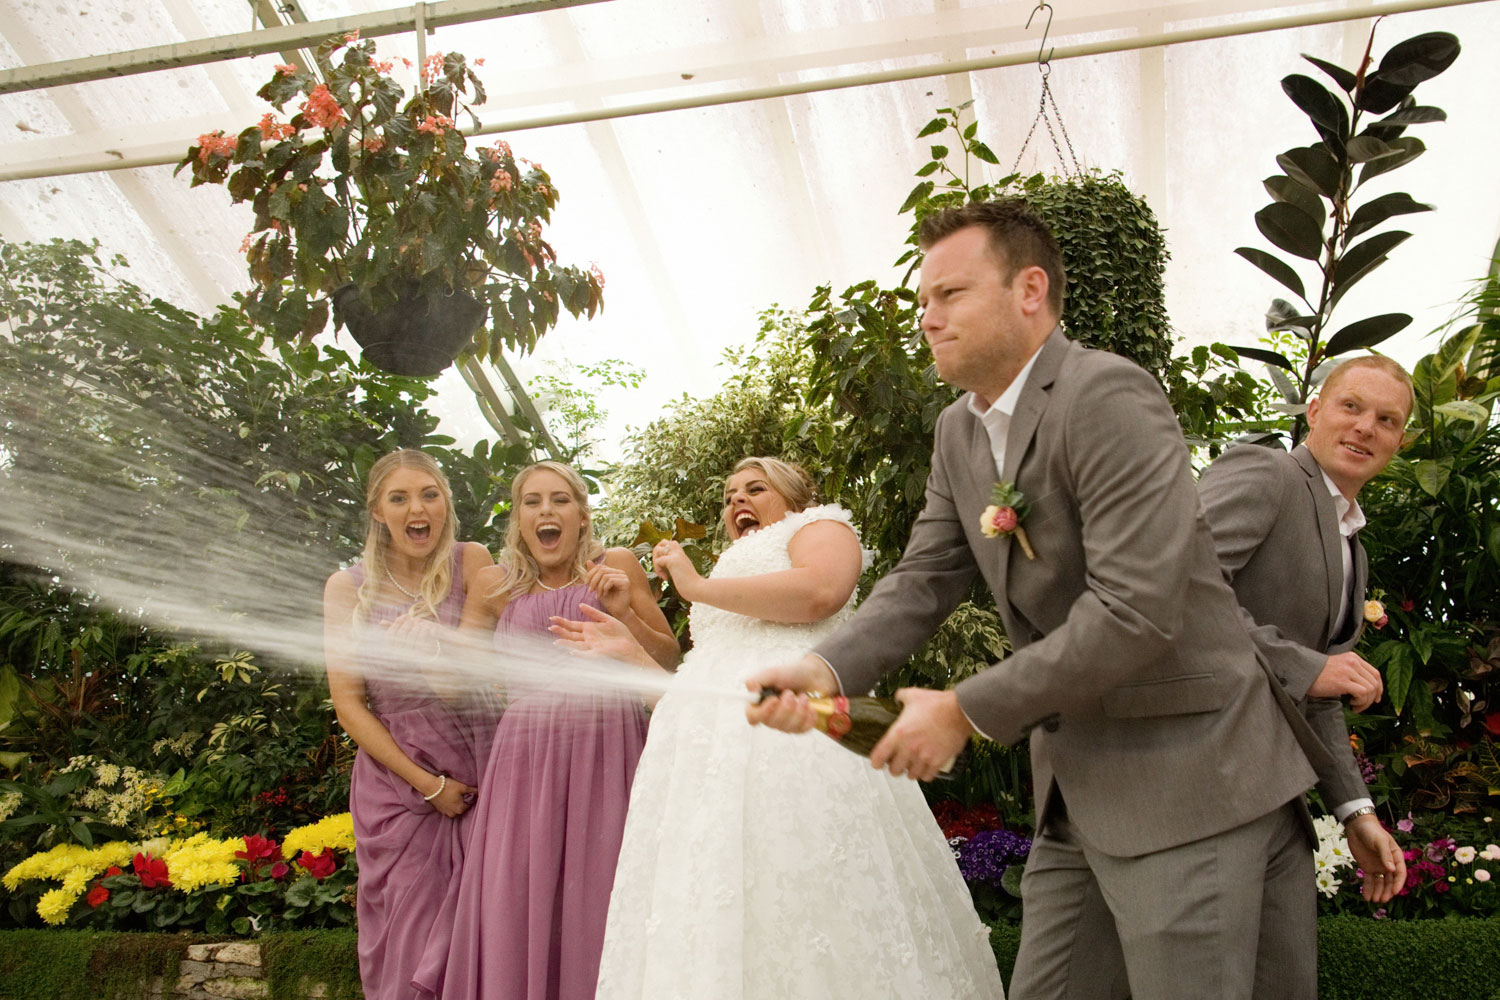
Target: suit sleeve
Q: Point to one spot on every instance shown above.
(909, 603)
(1141, 540)
(1242, 493)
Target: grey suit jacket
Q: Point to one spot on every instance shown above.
(1276, 531)
(1132, 671)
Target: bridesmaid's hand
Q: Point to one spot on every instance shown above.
(418, 639)
(672, 563)
(453, 801)
(612, 586)
(601, 635)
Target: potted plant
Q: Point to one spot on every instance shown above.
(377, 205)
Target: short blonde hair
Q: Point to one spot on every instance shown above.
(787, 478)
(1380, 363)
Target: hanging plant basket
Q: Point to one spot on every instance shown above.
(418, 335)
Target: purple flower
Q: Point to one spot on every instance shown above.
(1439, 849)
(1405, 825)
(985, 856)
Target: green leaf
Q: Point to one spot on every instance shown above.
(928, 168)
(939, 152)
(1419, 58)
(1290, 229)
(1289, 390)
(1367, 149)
(1011, 880)
(1339, 75)
(1410, 148)
(1373, 213)
(1293, 192)
(1326, 111)
(1366, 333)
(1313, 167)
(1261, 354)
(1362, 258)
(1398, 673)
(933, 127)
(1276, 268)
(918, 195)
(982, 152)
(1432, 474)
(1415, 115)
(1464, 409)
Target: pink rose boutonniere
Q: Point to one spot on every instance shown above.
(1375, 614)
(1005, 514)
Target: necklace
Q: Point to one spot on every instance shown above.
(397, 583)
(571, 580)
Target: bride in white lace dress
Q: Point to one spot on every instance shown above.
(762, 865)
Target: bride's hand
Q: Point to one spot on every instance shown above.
(601, 635)
(672, 563)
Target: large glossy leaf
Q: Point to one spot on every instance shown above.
(1275, 267)
(1360, 259)
(1326, 111)
(1464, 409)
(1419, 58)
(1373, 213)
(1432, 476)
(1367, 148)
(1288, 189)
(1312, 166)
(1452, 352)
(1339, 74)
(1289, 390)
(1268, 356)
(1284, 316)
(1414, 115)
(1290, 229)
(1366, 333)
(1379, 95)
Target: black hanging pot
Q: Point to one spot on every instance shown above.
(418, 335)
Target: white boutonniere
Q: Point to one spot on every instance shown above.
(1005, 514)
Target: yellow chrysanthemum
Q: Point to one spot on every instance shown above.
(54, 905)
(200, 860)
(335, 831)
(63, 863)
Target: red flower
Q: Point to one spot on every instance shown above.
(1492, 723)
(1006, 520)
(152, 872)
(112, 870)
(1408, 604)
(279, 870)
(258, 849)
(319, 866)
(97, 895)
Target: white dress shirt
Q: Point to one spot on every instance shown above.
(1351, 519)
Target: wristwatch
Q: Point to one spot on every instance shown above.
(1361, 811)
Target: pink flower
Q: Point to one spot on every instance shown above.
(1005, 520)
(286, 69)
(501, 181)
(1382, 621)
(322, 109)
(435, 124)
(1481, 875)
(215, 144)
(279, 870)
(598, 275)
(351, 37)
(1405, 825)
(1440, 887)
(374, 145)
(479, 61)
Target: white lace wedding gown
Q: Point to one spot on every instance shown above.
(758, 865)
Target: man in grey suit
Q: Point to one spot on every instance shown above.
(1286, 528)
(1165, 770)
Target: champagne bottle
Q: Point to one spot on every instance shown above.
(855, 723)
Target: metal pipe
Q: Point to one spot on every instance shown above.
(253, 43)
(116, 161)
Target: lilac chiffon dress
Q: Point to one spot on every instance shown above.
(408, 852)
(529, 911)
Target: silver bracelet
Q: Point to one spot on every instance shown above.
(437, 651)
(442, 784)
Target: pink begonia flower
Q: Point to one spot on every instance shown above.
(1405, 825)
(1481, 875)
(1464, 855)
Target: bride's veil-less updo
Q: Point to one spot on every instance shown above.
(787, 478)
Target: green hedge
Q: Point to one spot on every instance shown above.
(1359, 959)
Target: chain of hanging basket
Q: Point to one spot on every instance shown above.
(1044, 65)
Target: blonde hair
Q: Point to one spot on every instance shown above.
(787, 478)
(1380, 363)
(521, 570)
(437, 575)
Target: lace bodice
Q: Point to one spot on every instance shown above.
(765, 551)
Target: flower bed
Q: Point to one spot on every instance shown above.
(241, 885)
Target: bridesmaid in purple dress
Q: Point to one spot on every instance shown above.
(528, 921)
(420, 755)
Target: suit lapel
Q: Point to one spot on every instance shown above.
(1023, 424)
(1328, 532)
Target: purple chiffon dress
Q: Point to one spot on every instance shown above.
(528, 921)
(408, 852)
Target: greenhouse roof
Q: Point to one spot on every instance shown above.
(716, 157)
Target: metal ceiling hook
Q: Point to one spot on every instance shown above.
(1043, 54)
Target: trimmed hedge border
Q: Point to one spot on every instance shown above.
(1359, 959)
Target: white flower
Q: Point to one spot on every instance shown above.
(1491, 852)
(1464, 855)
(1327, 884)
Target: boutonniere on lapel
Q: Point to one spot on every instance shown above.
(1375, 614)
(1005, 514)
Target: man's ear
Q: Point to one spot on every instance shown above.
(1031, 286)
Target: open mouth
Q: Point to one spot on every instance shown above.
(1357, 450)
(419, 531)
(548, 535)
(745, 521)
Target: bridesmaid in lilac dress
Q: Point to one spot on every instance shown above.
(420, 755)
(528, 921)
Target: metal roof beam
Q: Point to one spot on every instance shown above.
(254, 43)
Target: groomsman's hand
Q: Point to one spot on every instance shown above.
(1348, 673)
(1378, 856)
(926, 736)
(789, 711)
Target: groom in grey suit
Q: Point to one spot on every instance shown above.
(1286, 528)
(1165, 770)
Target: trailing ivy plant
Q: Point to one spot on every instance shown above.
(1314, 216)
